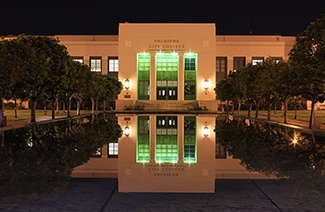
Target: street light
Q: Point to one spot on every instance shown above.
(295, 98)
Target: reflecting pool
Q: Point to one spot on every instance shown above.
(40, 158)
(276, 151)
(158, 153)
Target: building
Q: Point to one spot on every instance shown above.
(180, 63)
(166, 67)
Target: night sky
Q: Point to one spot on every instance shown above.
(232, 17)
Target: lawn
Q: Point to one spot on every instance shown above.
(302, 115)
(25, 114)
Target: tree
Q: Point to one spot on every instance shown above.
(307, 57)
(13, 57)
(253, 84)
(113, 88)
(96, 88)
(275, 83)
(224, 89)
(36, 71)
(75, 82)
(57, 57)
(285, 86)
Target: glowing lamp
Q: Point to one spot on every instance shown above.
(127, 131)
(206, 131)
(127, 84)
(206, 85)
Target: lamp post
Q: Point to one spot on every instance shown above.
(295, 102)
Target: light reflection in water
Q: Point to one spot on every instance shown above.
(41, 157)
(48, 152)
(275, 150)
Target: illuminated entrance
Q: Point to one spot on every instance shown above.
(166, 153)
(167, 76)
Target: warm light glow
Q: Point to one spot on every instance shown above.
(127, 84)
(188, 161)
(294, 140)
(127, 131)
(206, 84)
(206, 131)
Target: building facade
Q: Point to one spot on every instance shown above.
(172, 66)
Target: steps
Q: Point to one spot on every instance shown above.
(167, 105)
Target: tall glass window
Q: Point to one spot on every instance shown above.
(96, 64)
(78, 59)
(220, 151)
(190, 69)
(112, 150)
(112, 64)
(239, 62)
(257, 60)
(167, 75)
(190, 139)
(221, 68)
(143, 76)
(166, 139)
(143, 143)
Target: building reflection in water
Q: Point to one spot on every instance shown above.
(167, 153)
(158, 153)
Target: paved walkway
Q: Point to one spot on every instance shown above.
(295, 123)
(97, 195)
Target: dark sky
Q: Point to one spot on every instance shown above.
(258, 17)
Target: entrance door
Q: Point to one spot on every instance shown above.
(166, 90)
(167, 76)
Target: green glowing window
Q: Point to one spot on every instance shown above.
(190, 69)
(143, 143)
(166, 139)
(167, 76)
(190, 139)
(143, 75)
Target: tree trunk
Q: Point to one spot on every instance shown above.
(285, 111)
(269, 112)
(1, 109)
(249, 110)
(78, 104)
(15, 108)
(239, 106)
(92, 105)
(63, 107)
(45, 107)
(232, 107)
(53, 108)
(274, 108)
(97, 102)
(257, 108)
(312, 114)
(57, 105)
(69, 106)
(33, 110)
(104, 105)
